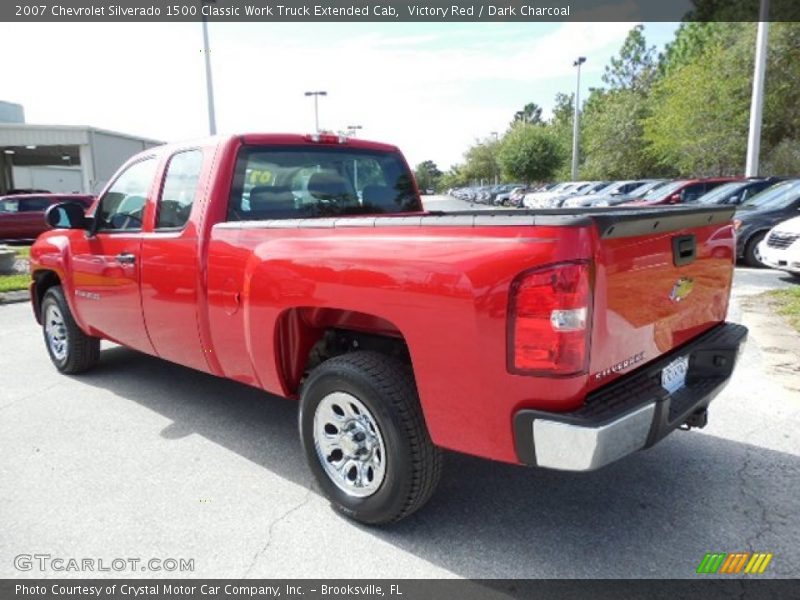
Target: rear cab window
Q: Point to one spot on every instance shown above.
(179, 190)
(296, 182)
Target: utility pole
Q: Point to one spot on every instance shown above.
(580, 60)
(757, 100)
(212, 119)
(316, 95)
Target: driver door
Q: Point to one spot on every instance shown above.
(106, 266)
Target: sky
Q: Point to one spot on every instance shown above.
(430, 88)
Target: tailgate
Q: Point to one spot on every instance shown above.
(663, 277)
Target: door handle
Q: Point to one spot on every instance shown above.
(126, 258)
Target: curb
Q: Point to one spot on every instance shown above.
(12, 297)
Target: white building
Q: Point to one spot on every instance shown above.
(60, 158)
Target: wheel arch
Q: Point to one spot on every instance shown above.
(308, 336)
(43, 280)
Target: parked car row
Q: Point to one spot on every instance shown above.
(485, 194)
(763, 203)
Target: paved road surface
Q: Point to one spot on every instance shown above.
(141, 458)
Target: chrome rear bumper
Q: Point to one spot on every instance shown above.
(632, 413)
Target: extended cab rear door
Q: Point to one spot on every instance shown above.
(106, 265)
(170, 263)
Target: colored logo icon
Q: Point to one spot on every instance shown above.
(738, 562)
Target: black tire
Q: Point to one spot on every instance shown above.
(80, 351)
(751, 250)
(413, 464)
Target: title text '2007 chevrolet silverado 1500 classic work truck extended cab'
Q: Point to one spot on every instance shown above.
(307, 266)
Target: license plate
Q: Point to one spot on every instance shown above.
(673, 377)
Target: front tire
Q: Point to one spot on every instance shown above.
(70, 349)
(365, 438)
(752, 257)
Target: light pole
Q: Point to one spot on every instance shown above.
(577, 63)
(212, 119)
(316, 95)
(757, 100)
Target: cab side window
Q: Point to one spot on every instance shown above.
(180, 189)
(33, 204)
(122, 207)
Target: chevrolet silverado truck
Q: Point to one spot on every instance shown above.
(307, 266)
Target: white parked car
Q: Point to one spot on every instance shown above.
(780, 249)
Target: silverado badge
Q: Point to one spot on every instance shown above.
(682, 288)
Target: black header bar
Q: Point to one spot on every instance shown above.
(392, 11)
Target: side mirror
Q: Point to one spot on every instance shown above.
(675, 198)
(67, 215)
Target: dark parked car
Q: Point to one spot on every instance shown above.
(22, 216)
(758, 215)
(737, 192)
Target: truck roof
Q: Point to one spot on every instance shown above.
(298, 139)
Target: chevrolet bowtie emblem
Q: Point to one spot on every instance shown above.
(682, 288)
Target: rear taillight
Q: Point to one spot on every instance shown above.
(549, 320)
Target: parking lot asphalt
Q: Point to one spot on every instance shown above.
(142, 458)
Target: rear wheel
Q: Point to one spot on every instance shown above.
(365, 438)
(752, 256)
(70, 349)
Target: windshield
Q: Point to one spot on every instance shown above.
(612, 188)
(293, 182)
(778, 196)
(662, 192)
(718, 193)
(644, 188)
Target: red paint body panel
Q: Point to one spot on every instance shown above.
(247, 301)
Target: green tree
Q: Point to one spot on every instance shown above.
(531, 113)
(635, 67)
(427, 174)
(780, 136)
(612, 124)
(455, 177)
(480, 161)
(690, 42)
(699, 110)
(530, 153)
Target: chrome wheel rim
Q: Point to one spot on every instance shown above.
(56, 331)
(349, 444)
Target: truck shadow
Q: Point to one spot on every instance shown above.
(693, 492)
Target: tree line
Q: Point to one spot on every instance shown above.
(683, 112)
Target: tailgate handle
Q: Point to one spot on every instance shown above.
(684, 249)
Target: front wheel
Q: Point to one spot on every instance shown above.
(752, 255)
(365, 437)
(70, 349)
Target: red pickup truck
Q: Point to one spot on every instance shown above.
(307, 266)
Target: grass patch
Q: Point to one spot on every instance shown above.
(787, 304)
(10, 283)
(23, 251)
